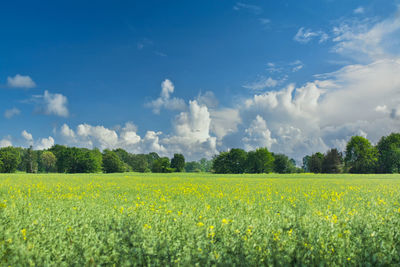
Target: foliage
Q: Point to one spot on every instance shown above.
(10, 159)
(332, 161)
(259, 161)
(48, 160)
(161, 165)
(111, 162)
(361, 156)
(233, 161)
(389, 153)
(282, 164)
(315, 162)
(30, 161)
(178, 162)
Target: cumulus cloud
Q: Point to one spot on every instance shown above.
(126, 137)
(20, 81)
(9, 113)
(51, 104)
(258, 135)
(27, 137)
(165, 100)
(192, 133)
(5, 142)
(224, 121)
(44, 143)
(304, 36)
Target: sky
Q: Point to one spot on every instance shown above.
(199, 77)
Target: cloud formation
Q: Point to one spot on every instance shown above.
(5, 142)
(165, 100)
(51, 104)
(251, 8)
(304, 36)
(20, 81)
(9, 113)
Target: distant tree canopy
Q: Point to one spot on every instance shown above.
(360, 156)
(258, 161)
(10, 158)
(112, 163)
(178, 162)
(389, 154)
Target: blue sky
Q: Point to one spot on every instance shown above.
(198, 77)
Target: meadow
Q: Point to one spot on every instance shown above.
(199, 219)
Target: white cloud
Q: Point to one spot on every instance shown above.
(52, 104)
(5, 142)
(208, 99)
(165, 100)
(9, 113)
(367, 40)
(44, 143)
(261, 83)
(28, 137)
(306, 35)
(224, 121)
(359, 10)
(265, 21)
(192, 133)
(251, 8)
(20, 81)
(258, 135)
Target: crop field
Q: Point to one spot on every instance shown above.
(204, 219)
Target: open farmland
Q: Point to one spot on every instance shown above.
(156, 219)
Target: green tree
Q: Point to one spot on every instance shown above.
(139, 163)
(306, 161)
(389, 153)
(161, 165)
(10, 158)
(332, 162)
(193, 166)
(30, 161)
(48, 160)
(282, 164)
(111, 162)
(178, 162)
(221, 163)
(259, 161)
(205, 164)
(361, 156)
(315, 162)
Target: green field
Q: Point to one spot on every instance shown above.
(205, 219)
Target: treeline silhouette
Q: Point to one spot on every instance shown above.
(360, 156)
(63, 159)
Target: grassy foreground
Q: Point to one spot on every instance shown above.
(184, 219)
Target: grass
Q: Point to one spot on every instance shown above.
(205, 219)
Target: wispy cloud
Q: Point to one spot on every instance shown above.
(359, 10)
(306, 35)
(261, 83)
(9, 113)
(251, 8)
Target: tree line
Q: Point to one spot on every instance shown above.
(63, 159)
(360, 156)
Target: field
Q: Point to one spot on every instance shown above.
(204, 219)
